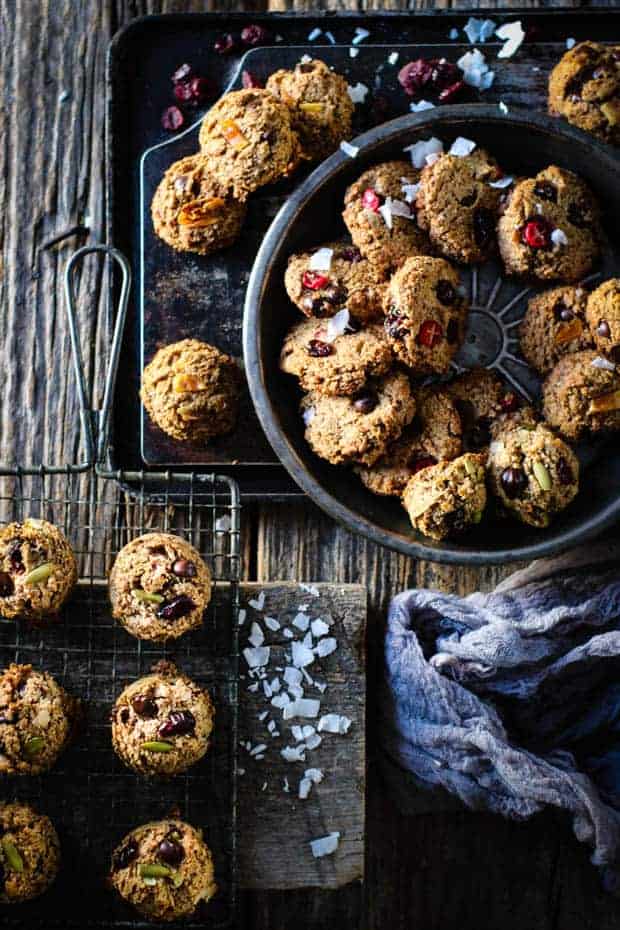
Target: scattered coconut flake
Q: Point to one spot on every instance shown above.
(559, 237)
(242, 615)
(604, 363)
(302, 622)
(257, 750)
(570, 43)
(514, 35)
(337, 325)
(305, 59)
(279, 38)
(308, 415)
(391, 208)
(259, 602)
(315, 775)
(240, 771)
(256, 637)
(503, 107)
(393, 58)
(294, 753)
(325, 845)
(285, 785)
(267, 689)
(264, 788)
(454, 33)
(348, 149)
(330, 37)
(302, 707)
(297, 732)
(272, 624)
(326, 646)
(288, 633)
(319, 627)
(313, 741)
(420, 150)
(257, 657)
(305, 786)
(360, 35)
(223, 524)
(263, 715)
(462, 147)
(506, 181)
(354, 52)
(292, 676)
(275, 685)
(358, 92)
(321, 260)
(307, 731)
(302, 656)
(272, 726)
(421, 105)
(305, 673)
(259, 758)
(253, 687)
(309, 589)
(475, 70)
(280, 700)
(321, 686)
(409, 190)
(334, 723)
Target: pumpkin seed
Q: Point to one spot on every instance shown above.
(147, 596)
(39, 574)
(542, 475)
(154, 870)
(477, 516)
(156, 745)
(34, 746)
(13, 858)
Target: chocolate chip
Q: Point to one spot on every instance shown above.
(484, 227)
(176, 608)
(334, 294)
(318, 349)
(578, 216)
(124, 715)
(455, 521)
(446, 293)
(179, 723)
(546, 191)
(125, 855)
(170, 852)
(365, 403)
(514, 482)
(469, 199)
(478, 436)
(6, 585)
(183, 568)
(603, 329)
(562, 313)
(144, 706)
(15, 556)
(565, 472)
(350, 254)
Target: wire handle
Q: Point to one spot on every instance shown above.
(103, 415)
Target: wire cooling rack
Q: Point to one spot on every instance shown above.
(91, 797)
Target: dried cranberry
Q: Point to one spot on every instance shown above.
(15, 557)
(565, 472)
(202, 89)
(318, 349)
(255, 35)
(453, 92)
(126, 854)
(415, 75)
(225, 44)
(430, 334)
(562, 313)
(6, 585)
(394, 324)
(335, 294)
(514, 482)
(315, 306)
(510, 402)
(546, 191)
(425, 461)
(144, 706)
(183, 92)
(170, 851)
(350, 254)
(371, 200)
(176, 608)
(577, 215)
(179, 723)
(537, 233)
(172, 119)
(446, 293)
(248, 79)
(183, 568)
(603, 329)
(455, 521)
(452, 331)
(124, 715)
(182, 74)
(365, 403)
(314, 280)
(445, 74)
(484, 227)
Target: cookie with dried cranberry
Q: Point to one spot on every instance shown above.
(554, 325)
(550, 227)
(458, 206)
(164, 870)
(448, 498)
(534, 473)
(328, 360)
(29, 853)
(584, 88)
(344, 279)
(191, 391)
(581, 395)
(320, 105)
(346, 430)
(485, 404)
(603, 316)
(192, 211)
(249, 141)
(381, 217)
(37, 720)
(162, 723)
(425, 314)
(159, 587)
(433, 435)
(38, 570)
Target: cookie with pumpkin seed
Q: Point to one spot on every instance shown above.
(37, 570)
(29, 853)
(194, 212)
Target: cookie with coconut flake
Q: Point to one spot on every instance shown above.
(584, 88)
(603, 316)
(554, 325)
(581, 395)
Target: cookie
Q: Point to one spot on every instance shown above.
(344, 280)
(161, 724)
(248, 140)
(320, 105)
(192, 211)
(164, 870)
(159, 587)
(584, 88)
(581, 395)
(331, 364)
(550, 227)
(358, 429)
(446, 499)
(486, 404)
(433, 435)
(533, 473)
(29, 853)
(381, 217)
(37, 720)
(38, 570)
(554, 325)
(603, 316)
(457, 206)
(191, 390)
(425, 314)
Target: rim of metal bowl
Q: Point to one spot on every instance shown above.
(457, 116)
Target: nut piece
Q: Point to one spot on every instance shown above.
(201, 213)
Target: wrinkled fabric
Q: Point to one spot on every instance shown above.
(510, 701)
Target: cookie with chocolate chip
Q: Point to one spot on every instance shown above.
(446, 499)
(581, 395)
(487, 405)
(554, 325)
(603, 316)
(584, 88)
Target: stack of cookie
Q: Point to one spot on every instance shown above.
(384, 312)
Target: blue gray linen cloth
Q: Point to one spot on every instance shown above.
(510, 701)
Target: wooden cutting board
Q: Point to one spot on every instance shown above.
(275, 827)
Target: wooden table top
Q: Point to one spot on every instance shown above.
(437, 870)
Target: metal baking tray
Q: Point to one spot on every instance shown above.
(179, 294)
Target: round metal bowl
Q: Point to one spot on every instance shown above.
(523, 143)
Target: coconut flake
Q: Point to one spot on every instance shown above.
(559, 237)
(348, 149)
(419, 151)
(257, 750)
(603, 363)
(320, 686)
(313, 741)
(409, 190)
(309, 589)
(570, 43)
(421, 105)
(354, 52)
(475, 70)
(391, 208)
(259, 602)
(503, 107)
(305, 59)
(272, 624)
(288, 633)
(223, 524)
(462, 147)
(360, 35)
(305, 786)
(256, 637)
(292, 676)
(506, 181)
(285, 785)
(454, 33)
(319, 627)
(242, 615)
(302, 707)
(479, 30)
(253, 687)
(321, 260)
(358, 92)
(294, 753)
(263, 715)
(314, 34)
(315, 775)
(334, 723)
(393, 58)
(308, 415)
(257, 657)
(337, 325)
(308, 643)
(281, 701)
(326, 646)
(514, 35)
(302, 656)
(325, 845)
